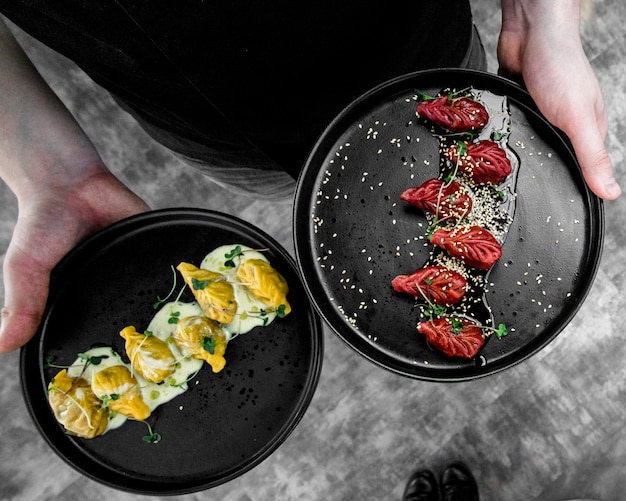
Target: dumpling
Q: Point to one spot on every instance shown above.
(203, 339)
(212, 290)
(149, 355)
(265, 283)
(76, 406)
(119, 388)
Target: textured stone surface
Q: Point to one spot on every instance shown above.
(551, 428)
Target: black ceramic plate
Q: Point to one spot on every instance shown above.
(226, 423)
(353, 235)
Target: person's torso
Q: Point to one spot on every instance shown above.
(278, 70)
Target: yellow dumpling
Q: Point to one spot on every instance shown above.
(203, 339)
(76, 406)
(149, 355)
(121, 391)
(214, 293)
(264, 283)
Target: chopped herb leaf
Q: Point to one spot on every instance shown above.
(209, 344)
(457, 325)
(280, 311)
(198, 285)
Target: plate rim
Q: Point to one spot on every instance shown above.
(134, 484)
(302, 215)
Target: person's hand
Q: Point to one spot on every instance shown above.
(63, 189)
(540, 44)
(49, 224)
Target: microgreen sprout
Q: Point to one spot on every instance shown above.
(452, 175)
(430, 310)
(230, 256)
(237, 252)
(459, 94)
(151, 437)
(183, 384)
(263, 313)
(106, 399)
(500, 331)
(160, 300)
(49, 363)
(83, 357)
(422, 96)
(452, 95)
(91, 359)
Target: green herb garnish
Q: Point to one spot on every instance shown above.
(151, 437)
(93, 360)
(280, 311)
(209, 344)
(48, 363)
(457, 325)
(108, 398)
(174, 317)
(198, 285)
(230, 256)
(160, 300)
(499, 331)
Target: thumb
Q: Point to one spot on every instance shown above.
(26, 291)
(588, 144)
(46, 229)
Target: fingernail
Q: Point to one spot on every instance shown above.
(613, 188)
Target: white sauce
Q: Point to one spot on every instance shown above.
(248, 307)
(247, 317)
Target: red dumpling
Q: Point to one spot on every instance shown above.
(453, 336)
(473, 245)
(484, 161)
(454, 114)
(437, 284)
(444, 200)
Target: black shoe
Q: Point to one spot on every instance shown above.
(422, 486)
(458, 483)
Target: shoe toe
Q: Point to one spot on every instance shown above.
(422, 486)
(458, 483)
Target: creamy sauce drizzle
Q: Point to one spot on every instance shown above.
(248, 307)
(247, 317)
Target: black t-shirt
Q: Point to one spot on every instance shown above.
(279, 70)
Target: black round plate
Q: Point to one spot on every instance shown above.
(353, 235)
(226, 423)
